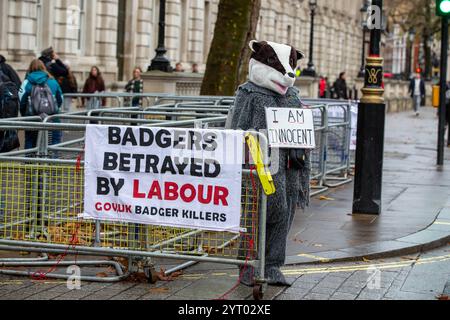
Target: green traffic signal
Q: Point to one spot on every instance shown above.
(443, 8)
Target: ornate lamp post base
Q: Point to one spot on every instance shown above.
(160, 61)
(309, 72)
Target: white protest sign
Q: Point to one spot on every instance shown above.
(171, 177)
(354, 127)
(290, 128)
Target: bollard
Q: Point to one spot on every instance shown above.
(436, 96)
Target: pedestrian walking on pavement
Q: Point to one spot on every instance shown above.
(94, 84)
(53, 64)
(9, 72)
(9, 104)
(68, 85)
(340, 87)
(136, 85)
(417, 92)
(323, 86)
(447, 112)
(40, 95)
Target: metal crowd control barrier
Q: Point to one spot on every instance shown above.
(125, 99)
(41, 199)
(331, 160)
(337, 158)
(318, 155)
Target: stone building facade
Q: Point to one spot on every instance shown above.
(117, 35)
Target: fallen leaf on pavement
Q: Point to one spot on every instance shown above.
(138, 277)
(326, 198)
(366, 260)
(102, 275)
(162, 277)
(407, 258)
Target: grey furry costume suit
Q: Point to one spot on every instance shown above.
(292, 185)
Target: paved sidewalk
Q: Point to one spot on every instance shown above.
(422, 276)
(415, 195)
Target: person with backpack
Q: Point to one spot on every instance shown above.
(9, 104)
(40, 95)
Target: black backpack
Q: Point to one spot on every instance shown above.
(9, 108)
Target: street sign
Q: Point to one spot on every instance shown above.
(443, 8)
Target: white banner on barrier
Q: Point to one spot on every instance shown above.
(171, 177)
(290, 128)
(354, 126)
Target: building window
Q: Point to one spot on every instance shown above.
(120, 49)
(76, 23)
(81, 26)
(184, 30)
(289, 35)
(275, 30)
(154, 35)
(260, 28)
(39, 27)
(206, 30)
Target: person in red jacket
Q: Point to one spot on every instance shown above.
(323, 87)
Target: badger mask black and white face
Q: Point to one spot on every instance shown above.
(273, 65)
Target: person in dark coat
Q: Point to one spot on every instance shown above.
(68, 85)
(447, 112)
(9, 105)
(340, 87)
(53, 64)
(94, 84)
(417, 92)
(9, 72)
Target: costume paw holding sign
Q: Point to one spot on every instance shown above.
(269, 103)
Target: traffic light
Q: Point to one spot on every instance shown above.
(443, 8)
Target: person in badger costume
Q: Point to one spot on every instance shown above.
(271, 85)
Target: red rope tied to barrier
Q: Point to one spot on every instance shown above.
(74, 241)
(249, 238)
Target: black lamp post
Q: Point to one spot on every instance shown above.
(160, 61)
(370, 136)
(363, 12)
(311, 70)
(409, 64)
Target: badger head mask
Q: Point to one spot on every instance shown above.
(273, 65)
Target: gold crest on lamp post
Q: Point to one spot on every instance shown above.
(373, 83)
